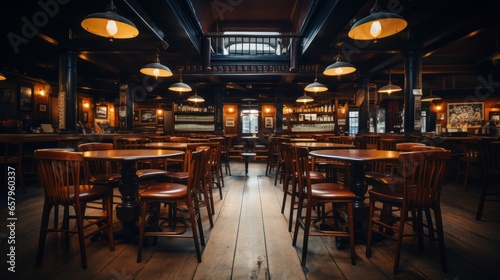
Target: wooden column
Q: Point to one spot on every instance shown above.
(67, 104)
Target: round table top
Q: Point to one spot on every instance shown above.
(296, 140)
(250, 137)
(131, 154)
(167, 145)
(356, 154)
(323, 145)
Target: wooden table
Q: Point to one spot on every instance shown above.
(166, 145)
(357, 159)
(128, 210)
(296, 140)
(323, 145)
(357, 184)
(250, 143)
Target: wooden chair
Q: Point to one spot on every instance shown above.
(311, 195)
(100, 172)
(290, 184)
(182, 177)
(59, 176)
(147, 170)
(12, 155)
(370, 142)
(489, 155)
(280, 168)
(69, 142)
(224, 157)
(422, 174)
(470, 159)
(180, 197)
(272, 155)
(406, 146)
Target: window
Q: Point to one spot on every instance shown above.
(423, 121)
(353, 121)
(249, 121)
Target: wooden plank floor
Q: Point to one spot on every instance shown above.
(250, 240)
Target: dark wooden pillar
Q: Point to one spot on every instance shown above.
(219, 110)
(280, 97)
(363, 102)
(412, 86)
(67, 104)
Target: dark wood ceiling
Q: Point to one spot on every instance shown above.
(456, 42)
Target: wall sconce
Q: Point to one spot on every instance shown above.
(437, 105)
(342, 109)
(230, 109)
(42, 92)
(268, 109)
(85, 104)
(159, 111)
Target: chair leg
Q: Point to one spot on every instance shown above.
(111, 238)
(350, 217)
(466, 174)
(43, 232)
(401, 228)
(195, 227)
(440, 233)
(297, 223)
(307, 226)
(482, 199)
(81, 236)
(142, 228)
(368, 251)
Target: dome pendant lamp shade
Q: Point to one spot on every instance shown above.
(156, 69)
(180, 86)
(195, 97)
(340, 67)
(390, 88)
(316, 87)
(110, 24)
(2, 77)
(379, 24)
(304, 99)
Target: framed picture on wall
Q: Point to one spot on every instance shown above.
(148, 116)
(25, 98)
(42, 107)
(268, 122)
(101, 111)
(229, 122)
(470, 114)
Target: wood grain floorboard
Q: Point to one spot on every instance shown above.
(250, 240)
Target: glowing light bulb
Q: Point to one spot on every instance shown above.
(156, 72)
(339, 70)
(376, 29)
(111, 28)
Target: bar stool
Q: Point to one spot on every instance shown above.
(320, 194)
(181, 198)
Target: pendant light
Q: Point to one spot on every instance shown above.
(156, 69)
(390, 88)
(431, 98)
(2, 77)
(339, 68)
(180, 86)
(316, 87)
(379, 24)
(304, 99)
(110, 24)
(195, 97)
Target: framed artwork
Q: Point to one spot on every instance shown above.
(160, 120)
(268, 122)
(470, 114)
(25, 98)
(148, 116)
(85, 117)
(229, 122)
(136, 115)
(42, 107)
(101, 111)
(7, 96)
